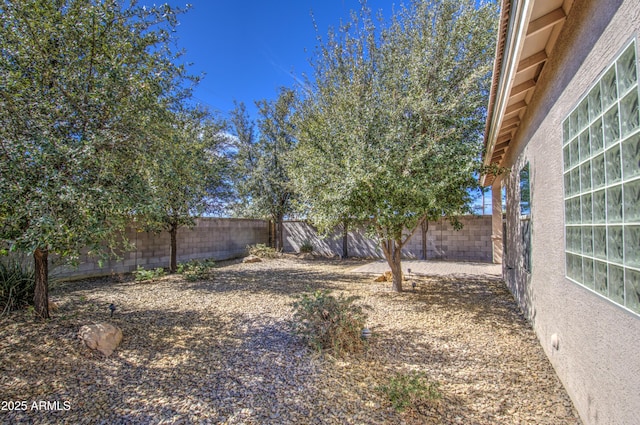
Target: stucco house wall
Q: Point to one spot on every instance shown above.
(593, 344)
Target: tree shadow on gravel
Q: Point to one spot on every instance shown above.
(114, 282)
(171, 365)
(404, 349)
(284, 281)
(196, 363)
(270, 373)
(488, 301)
(136, 383)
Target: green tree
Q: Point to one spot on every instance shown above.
(391, 126)
(82, 83)
(244, 160)
(189, 174)
(262, 172)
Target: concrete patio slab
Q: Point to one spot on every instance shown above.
(437, 268)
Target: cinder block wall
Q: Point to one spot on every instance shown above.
(215, 238)
(471, 243)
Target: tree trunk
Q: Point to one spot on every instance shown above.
(272, 236)
(41, 295)
(425, 229)
(396, 267)
(392, 251)
(345, 240)
(279, 234)
(173, 262)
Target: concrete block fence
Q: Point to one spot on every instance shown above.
(225, 238)
(215, 238)
(471, 243)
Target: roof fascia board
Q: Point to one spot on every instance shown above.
(519, 16)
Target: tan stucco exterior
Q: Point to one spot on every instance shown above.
(597, 354)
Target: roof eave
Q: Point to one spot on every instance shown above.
(512, 32)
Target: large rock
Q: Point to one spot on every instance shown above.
(103, 337)
(252, 259)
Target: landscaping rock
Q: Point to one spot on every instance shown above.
(103, 337)
(385, 277)
(252, 259)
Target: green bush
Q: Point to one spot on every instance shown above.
(140, 274)
(262, 251)
(17, 285)
(196, 270)
(410, 390)
(306, 247)
(329, 323)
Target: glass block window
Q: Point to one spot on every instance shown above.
(601, 157)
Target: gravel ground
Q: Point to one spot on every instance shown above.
(221, 351)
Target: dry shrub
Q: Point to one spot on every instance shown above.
(306, 247)
(195, 270)
(330, 323)
(410, 390)
(262, 251)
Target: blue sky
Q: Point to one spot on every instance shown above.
(249, 48)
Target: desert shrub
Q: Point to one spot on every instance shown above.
(140, 274)
(330, 323)
(410, 390)
(17, 284)
(306, 247)
(262, 251)
(196, 269)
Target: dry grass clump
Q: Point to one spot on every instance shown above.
(17, 284)
(262, 251)
(330, 323)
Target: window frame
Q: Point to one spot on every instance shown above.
(524, 182)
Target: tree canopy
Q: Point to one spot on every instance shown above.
(188, 174)
(390, 129)
(263, 163)
(82, 83)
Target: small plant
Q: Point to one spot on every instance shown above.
(306, 247)
(140, 274)
(196, 270)
(410, 390)
(262, 251)
(17, 285)
(329, 323)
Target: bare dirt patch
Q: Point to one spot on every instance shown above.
(222, 351)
